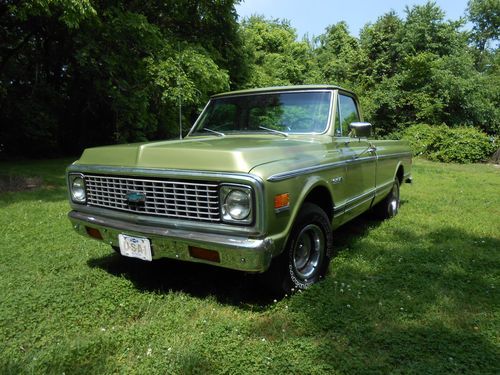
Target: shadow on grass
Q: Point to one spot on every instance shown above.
(44, 194)
(51, 173)
(418, 308)
(200, 280)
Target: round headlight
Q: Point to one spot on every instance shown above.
(78, 189)
(238, 204)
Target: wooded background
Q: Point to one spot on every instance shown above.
(79, 73)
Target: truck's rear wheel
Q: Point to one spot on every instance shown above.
(389, 206)
(307, 254)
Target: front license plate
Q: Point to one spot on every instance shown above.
(135, 247)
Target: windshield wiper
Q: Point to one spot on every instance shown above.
(214, 131)
(273, 131)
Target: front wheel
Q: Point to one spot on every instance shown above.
(307, 254)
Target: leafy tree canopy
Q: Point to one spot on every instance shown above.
(79, 73)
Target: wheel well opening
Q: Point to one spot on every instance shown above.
(400, 174)
(322, 198)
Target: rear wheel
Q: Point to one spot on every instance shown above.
(307, 254)
(389, 207)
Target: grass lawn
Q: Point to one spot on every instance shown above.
(416, 294)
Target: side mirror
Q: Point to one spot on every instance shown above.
(360, 129)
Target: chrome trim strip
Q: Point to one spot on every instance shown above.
(298, 172)
(358, 204)
(355, 199)
(361, 160)
(354, 202)
(160, 172)
(383, 186)
(409, 154)
(336, 215)
(282, 209)
(165, 222)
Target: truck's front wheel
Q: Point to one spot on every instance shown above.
(307, 254)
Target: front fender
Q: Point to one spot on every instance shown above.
(299, 189)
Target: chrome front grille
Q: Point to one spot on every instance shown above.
(176, 199)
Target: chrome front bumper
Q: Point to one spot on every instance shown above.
(239, 253)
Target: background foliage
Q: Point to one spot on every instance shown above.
(441, 143)
(75, 74)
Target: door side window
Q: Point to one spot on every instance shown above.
(348, 113)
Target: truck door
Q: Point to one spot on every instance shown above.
(360, 159)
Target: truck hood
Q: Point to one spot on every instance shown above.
(223, 154)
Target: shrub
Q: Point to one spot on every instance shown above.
(421, 137)
(441, 143)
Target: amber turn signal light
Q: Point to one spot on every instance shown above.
(281, 200)
(205, 254)
(94, 233)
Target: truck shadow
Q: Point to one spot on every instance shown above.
(236, 288)
(196, 279)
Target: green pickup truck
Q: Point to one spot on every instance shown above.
(258, 184)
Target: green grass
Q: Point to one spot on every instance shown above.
(416, 294)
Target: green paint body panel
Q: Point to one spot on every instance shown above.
(344, 172)
(237, 154)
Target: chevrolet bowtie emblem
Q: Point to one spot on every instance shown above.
(136, 199)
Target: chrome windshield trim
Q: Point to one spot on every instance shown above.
(198, 119)
(328, 121)
(270, 92)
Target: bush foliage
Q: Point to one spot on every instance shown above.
(75, 74)
(441, 143)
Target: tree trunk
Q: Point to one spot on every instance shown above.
(496, 157)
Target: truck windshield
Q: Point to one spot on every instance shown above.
(275, 113)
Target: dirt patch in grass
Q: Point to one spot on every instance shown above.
(19, 183)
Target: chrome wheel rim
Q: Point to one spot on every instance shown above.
(394, 202)
(308, 251)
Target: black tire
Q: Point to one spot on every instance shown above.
(389, 206)
(307, 253)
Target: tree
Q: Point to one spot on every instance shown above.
(422, 70)
(485, 15)
(337, 55)
(275, 57)
(80, 73)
